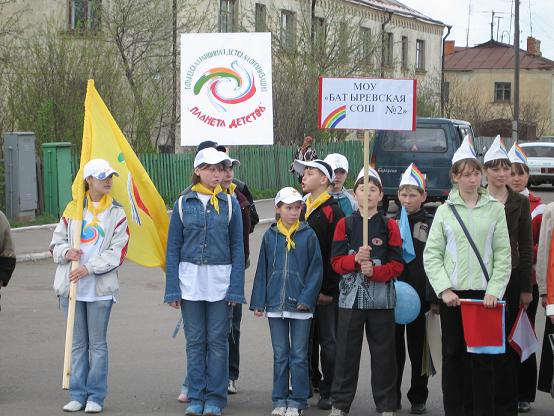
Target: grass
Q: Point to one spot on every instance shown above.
(39, 220)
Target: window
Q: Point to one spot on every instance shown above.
(404, 52)
(261, 18)
(539, 151)
(502, 91)
(84, 15)
(420, 55)
(320, 35)
(288, 29)
(446, 92)
(431, 140)
(387, 49)
(365, 41)
(227, 15)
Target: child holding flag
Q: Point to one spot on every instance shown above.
(414, 227)
(286, 286)
(518, 291)
(454, 272)
(322, 214)
(104, 240)
(205, 278)
(367, 300)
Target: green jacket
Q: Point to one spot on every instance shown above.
(449, 260)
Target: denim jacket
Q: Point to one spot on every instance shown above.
(205, 238)
(285, 279)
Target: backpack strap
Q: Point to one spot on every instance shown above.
(229, 211)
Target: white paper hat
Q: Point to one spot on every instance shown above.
(211, 156)
(288, 195)
(465, 151)
(98, 168)
(300, 165)
(496, 151)
(517, 155)
(413, 176)
(337, 161)
(370, 172)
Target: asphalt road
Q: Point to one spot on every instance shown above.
(146, 364)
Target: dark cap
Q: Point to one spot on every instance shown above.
(205, 144)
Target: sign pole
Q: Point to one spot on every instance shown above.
(366, 180)
(71, 312)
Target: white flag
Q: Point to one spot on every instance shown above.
(523, 338)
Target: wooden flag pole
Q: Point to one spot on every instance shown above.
(366, 180)
(71, 311)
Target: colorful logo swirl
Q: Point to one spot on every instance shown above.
(91, 233)
(335, 118)
(227, 85)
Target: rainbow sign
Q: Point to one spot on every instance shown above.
(520, 153)
(218, 79)
(333, 119)
(418, 176)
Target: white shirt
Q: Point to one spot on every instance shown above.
(91, 240)
(208, 283)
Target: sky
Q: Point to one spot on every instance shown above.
(534, 19)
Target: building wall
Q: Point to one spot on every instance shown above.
(535, 86)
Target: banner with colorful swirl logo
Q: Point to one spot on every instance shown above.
(226, 92)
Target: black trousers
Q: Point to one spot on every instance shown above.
(415, 337)
(325, 318)
(527, 370)
(547, 366)
(379, 328)
(467, 379)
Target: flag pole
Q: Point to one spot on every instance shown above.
(77, 223)
(366, 180)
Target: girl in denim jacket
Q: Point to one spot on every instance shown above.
(205, 278)
(286, 286)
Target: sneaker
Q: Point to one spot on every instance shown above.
(293, 411)
(183, 398)
(93, 407)
(279, 411)
(73, 406)
(232, 387)
(211, 410)
(337, 412)
(194, 410)
(523, 407)
(324, 403)
(418, 409)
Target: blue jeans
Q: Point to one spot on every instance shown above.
(234, 342)
(207, 328)
(290, 357)
(89, 352)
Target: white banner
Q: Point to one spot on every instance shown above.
(367, 103)
(226, 91)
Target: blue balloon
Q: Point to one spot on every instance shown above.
(408, 304)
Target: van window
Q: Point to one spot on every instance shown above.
(429, 140)
(538, 151)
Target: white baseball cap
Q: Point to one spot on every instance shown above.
(300, 165)
(337, 161)
(98, 168)
(288, 195)
(211, 156)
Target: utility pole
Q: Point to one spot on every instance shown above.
(515, 122)
(173, 123)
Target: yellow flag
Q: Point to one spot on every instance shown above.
(133, 189)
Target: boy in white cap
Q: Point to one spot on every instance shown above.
(322, 214)
(412, 195)
(339, 164)
(367, 300)
(289, 248)
(453, 269)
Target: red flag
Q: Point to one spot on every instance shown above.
(483, 327)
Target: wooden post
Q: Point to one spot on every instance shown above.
(366, 180)
(71, 311)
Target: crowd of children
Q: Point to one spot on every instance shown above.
(321, 287)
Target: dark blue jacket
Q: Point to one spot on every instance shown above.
(205, 238)
(285, 279)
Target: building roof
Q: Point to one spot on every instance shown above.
(397, 8)
(493, 55)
